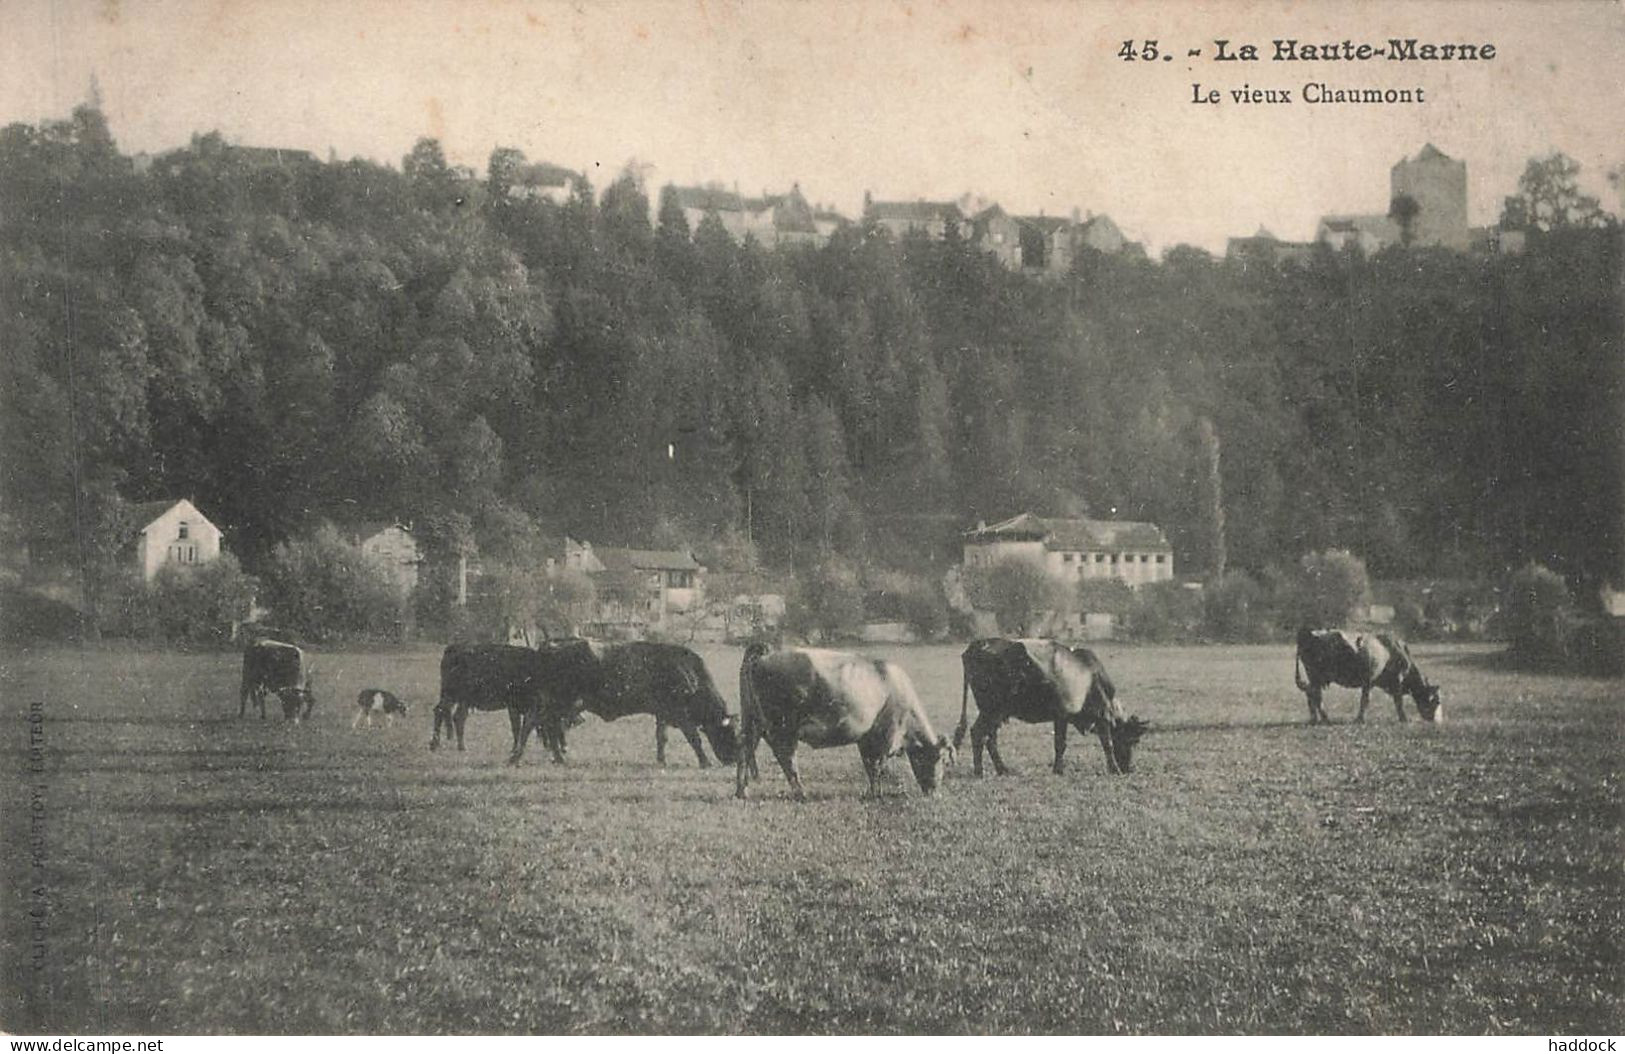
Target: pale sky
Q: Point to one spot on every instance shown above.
(1025, 103)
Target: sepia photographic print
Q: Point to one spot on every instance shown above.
(851, 518)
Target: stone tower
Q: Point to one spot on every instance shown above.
(1438, 185)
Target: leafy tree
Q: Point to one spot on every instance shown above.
(322, 587)
(827, 602)
(1403, 210)
(1537, 613)
(1331, 586)
(1016, 590)
(1549, 198)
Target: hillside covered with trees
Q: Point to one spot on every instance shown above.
(291, 343)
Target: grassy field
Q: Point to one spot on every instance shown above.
(190, 872)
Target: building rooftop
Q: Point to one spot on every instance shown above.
(1078, 534)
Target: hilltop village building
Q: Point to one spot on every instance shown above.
(1427, 209)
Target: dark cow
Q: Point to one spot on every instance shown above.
(273, 667)
(1363, 661)
(830, 699)
(636, 677)
(374, 701)
(489, 677)
(1041, 680)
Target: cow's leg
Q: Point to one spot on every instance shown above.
(1103, 729)
(519, 727)
(745, 768)
(242, 700)
(784, 749)
(999, 767)
(442, 716)
(871, 768)
(1365, 700)
(553, 722)
(359, 713)
(1399, 705)
(1060, 746)
(660, 740)
(692, 734)
(1316, 711)
(459, 717)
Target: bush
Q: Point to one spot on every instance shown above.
(1106, 596)
(1330, 587)
(895, 596)
(181, 605)
(1017, 591)
(1536, 614)
(827, 601)
(323, 587)
(1237, 609)
(1166, 611)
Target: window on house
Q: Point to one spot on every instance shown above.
(184, 529)
(1144, 559)
(1162, 558)
(1100, 558)
(1114, 558)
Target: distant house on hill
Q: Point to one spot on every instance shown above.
(544, 182)
(933, 219)
(1101, 234)
(393, 545)
(997, 232)
(1265, 249)
(1370, 233)
(1075, 549)
(173, 532)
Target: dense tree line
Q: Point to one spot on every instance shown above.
(291, 343)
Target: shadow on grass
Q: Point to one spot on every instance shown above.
(1232, 726)
(195, 810)
(159, 720)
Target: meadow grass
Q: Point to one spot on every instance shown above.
(201, 873)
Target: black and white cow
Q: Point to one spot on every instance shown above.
(829, 699)
(273, 667)
(1364, 661)
(619, 680)
(371, 702)
(1035, 681)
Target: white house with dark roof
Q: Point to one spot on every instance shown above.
(173, 532)
(1073, 550)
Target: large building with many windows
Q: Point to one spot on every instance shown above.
(1073, 550)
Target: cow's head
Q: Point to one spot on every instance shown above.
(723, 733)
(296, 702)
(1428, 702)
(1124, 736)
(928, 760)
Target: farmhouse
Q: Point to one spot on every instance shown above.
(1075, 549)
(640, 588)
(173, 532)
(393, 546)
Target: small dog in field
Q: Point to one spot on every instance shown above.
(373, 701)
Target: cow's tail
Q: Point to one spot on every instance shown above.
(964, 709)
(752, 722)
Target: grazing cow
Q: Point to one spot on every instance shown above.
(297, 703)
(1363, 661)
(373, 701)
(272, 667)
(830, 699)
(1040, 680)
(636, 677)
(488, 677)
